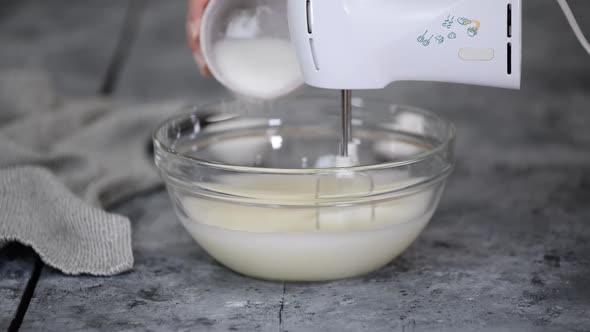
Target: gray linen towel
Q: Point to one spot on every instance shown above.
(61, 161)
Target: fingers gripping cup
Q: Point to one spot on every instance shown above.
(247, 47)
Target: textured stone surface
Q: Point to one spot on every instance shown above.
(16, 265)
(508, 247)
(73, 40)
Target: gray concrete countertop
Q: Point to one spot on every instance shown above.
(508, 249)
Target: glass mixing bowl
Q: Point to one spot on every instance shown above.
(258, 188)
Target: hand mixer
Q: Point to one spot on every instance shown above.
(359, 44)
(368, 44)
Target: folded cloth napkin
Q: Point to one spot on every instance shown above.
(61, 162)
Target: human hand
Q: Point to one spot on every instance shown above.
(196, 8)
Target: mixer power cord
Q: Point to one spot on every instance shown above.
(569, 15)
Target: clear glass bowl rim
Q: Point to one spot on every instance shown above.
(445, 145)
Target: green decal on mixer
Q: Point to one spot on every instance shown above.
(448, 23)
(423, 40)
(473, 27)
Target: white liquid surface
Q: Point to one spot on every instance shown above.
(264, 68)
(306, 244)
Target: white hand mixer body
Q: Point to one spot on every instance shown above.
(361, 44)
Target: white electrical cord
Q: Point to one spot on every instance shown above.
(574, 24)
